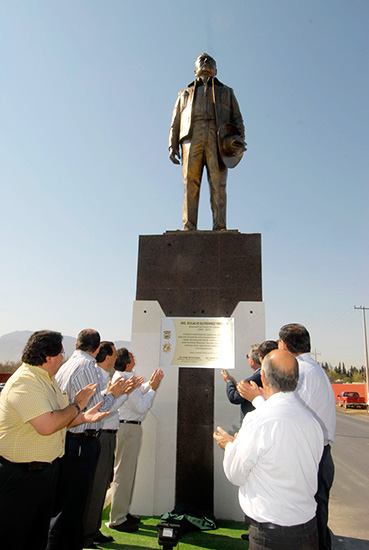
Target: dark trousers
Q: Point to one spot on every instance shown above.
(77, 468)
(100, 483)
(26, 502)
(296, 537)
(325, 481)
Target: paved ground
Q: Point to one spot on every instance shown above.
(349, 517)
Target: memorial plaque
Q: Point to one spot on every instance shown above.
(197, 342)
(198, 274)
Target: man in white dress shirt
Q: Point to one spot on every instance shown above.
(274, 460)
(131, 415)
(315, 391)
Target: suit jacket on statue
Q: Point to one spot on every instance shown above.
(226, 111)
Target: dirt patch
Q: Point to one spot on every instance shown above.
(362, 413)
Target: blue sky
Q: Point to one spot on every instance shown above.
(87, 90)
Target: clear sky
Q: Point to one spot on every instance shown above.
(87, 90)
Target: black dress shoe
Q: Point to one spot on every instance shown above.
(133, 519)
(245, 536)
(102, 538)
(125, 527)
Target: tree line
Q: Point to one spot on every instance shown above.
(9, 366)
(343, 374)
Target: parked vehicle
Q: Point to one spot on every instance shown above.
(351, 399)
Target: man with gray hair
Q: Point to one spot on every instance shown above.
(232, 393)
(274, 461)
(315, 391)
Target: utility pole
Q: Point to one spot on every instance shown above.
(316, 353)
(363, 308)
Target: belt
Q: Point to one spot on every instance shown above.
(130, 422)
(28, 466)
(270, 526)
(109, 431)
(31, 466)
(87, 434)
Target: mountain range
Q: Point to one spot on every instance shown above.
(12, 345)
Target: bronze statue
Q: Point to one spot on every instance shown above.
(208, 125)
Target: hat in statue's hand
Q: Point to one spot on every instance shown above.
(231, 144)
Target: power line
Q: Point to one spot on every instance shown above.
(341, 320)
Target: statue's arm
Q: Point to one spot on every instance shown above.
(174, 133)
(236, 115)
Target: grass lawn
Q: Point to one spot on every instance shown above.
(226, 537)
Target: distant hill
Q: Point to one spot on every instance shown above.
(12, 345)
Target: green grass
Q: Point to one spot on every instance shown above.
(226, 537)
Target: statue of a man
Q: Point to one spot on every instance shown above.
(208, 125)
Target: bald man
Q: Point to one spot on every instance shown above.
(315, 392)
(274, 461)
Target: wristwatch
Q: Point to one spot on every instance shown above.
(77, 406)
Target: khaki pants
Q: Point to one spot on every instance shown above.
(126, 455)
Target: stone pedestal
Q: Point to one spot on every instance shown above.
(198, 274)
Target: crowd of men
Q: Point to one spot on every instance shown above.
(69, 431)
(59, 424)
(281, 457)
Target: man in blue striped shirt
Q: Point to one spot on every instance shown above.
(82, 444)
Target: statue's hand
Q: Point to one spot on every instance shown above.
(173, 156)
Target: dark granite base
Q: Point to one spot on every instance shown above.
(198, 274)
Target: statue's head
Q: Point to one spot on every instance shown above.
(205, 65)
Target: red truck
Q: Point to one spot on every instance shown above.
(351, 399)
